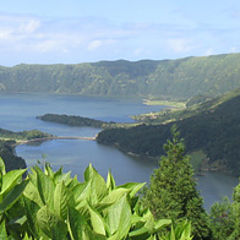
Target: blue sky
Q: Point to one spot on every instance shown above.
(75, 31)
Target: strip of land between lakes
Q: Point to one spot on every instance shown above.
(54, 138)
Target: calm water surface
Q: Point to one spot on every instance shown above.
(18, 112)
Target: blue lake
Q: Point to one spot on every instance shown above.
(18, 112)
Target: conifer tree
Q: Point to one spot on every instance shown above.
(225, 218)
(172, 190)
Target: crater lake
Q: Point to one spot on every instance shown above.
(18, 112)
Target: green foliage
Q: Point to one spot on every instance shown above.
(222, 221)
(74, 120)
(172, 191)
(225, 218)
(11, 189)
(52, 205)
(8, 155)
(181, 231)
(24, 135)
(78, 121)
(212, 127)
(8, 140)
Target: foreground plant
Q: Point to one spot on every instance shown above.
(11, 189)
(52, 205)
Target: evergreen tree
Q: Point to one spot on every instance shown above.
(225, 218)
(236, 214)
(222, 219)
(172, 191)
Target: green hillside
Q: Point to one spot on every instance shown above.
(166, 79)
(8, 140)
(7, 153)
(213, 128)
(194, 106)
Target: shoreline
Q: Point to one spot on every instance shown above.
(54, 138)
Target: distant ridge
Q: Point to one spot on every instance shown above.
(164, 79)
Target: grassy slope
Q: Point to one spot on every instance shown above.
(182, 112)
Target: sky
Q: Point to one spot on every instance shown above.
(76, 31)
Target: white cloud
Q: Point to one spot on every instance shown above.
(94, 45)
(5, 34)
(180, 45)
(46, 39)
(29, 26)
(46, 46)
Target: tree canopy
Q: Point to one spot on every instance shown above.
(172, 190)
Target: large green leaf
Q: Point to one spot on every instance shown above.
(141, 233)
(119, 217)
(75, 224)
(48, 170)
(66, 177)
(161, 223)
(82, 193)
(110, 182)
(98, 185)
(3, 232)
(45, 187)
(115, 195)
(27, 238)
(31, 208)
(97, 222)
(2, 167)
(72, 184)
(186, 234)
(31, 192)
(89, 234)
(61, 200)
(51, 225)
(78, 190)
(133, 187)
(11, 178)
(12, 196)
(2, 172)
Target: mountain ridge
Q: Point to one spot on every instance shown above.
(163, 79)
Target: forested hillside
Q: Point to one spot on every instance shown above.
(214, 129)
(8, 140)
(169, 79)
(7, 153)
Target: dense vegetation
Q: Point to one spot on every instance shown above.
(174, 79)
(7, 141)
(49, 205)
(214, 129)
(7, 152)
(172, 190)
(75, 121)
(52, 205)
(23, 135)
(194, 106)
(225, 218)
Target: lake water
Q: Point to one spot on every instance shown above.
(18, 112)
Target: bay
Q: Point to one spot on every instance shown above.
(18, 112)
